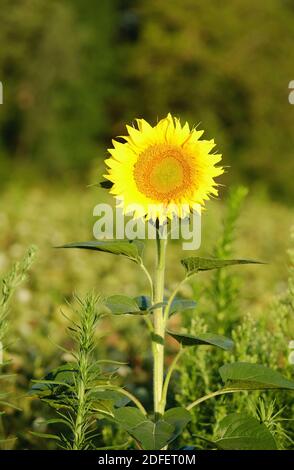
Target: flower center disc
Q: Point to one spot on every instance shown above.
(167, 175)
(162, 172)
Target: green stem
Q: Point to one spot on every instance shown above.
(133, 399)
(211, 395)
(171, 299)
(150, 281)
(126, 393)
(159, 324)
(168, 377)
(78, 427)
(149, 278)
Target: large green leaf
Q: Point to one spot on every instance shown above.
(244, 375)
(179, 418)
(151, 435)
(208, 339)
(122, 304)
(239, 432)
(194, 264)
(132, 249)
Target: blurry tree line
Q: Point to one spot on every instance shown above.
(75, 71)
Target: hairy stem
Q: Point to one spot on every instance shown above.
(168, 377)
(81, 409)
(159, 324)
(150, 281)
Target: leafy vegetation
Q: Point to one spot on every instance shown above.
(36, 325)
(92, 67)
(9, 285)
(80, 391)
(252, 337)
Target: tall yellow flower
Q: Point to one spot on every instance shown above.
(164, 170)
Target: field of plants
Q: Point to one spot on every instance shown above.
(120, 344)
(253, 305)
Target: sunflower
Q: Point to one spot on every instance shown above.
(162, 171)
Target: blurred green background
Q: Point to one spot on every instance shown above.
(74, 73)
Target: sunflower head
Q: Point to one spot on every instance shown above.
(163, 170)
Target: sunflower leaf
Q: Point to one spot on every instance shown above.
(195, 264)
(122, 304)
(247, 376)
(132, 249)
(206, 339)
(241, 432)
(152, 435)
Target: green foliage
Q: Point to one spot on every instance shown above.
(195, 264)
(267, 413)
(77, 389)
(206, 339)
(241, 432)
(152, 435)
(93, 66)
(122, 305)
(198, 371)
(257, 340)
(223, 289)
(221, 308)
(236, 431)
(181, 305)
(261, 337)
(247, 376)
(132, 249)
(178, 305)
(56, 102)
(9, 284)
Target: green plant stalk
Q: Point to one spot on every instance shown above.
(80, 417)
(168, 377)
(212, 395)
(159, 325)
(126, 394)
(171, 299)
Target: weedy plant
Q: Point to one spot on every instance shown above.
(164, 171)
(82, 390)
(9, 284)
(223, 290)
